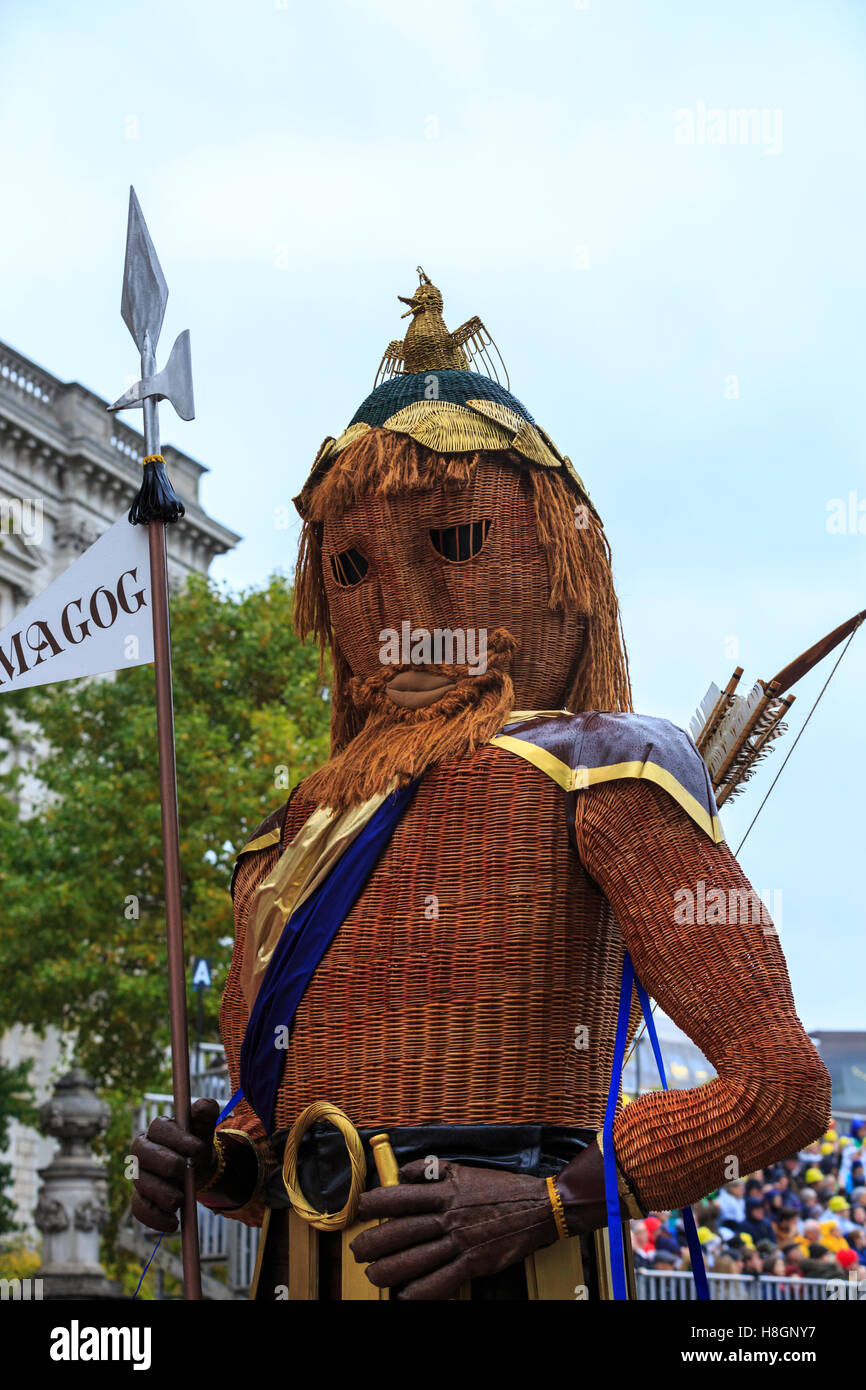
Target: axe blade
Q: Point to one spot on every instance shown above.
(173, 383)
(176, 377)
(145, 292)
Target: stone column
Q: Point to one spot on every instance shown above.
(72, 1211)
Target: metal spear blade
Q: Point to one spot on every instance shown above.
(145, 292)
(173, 383)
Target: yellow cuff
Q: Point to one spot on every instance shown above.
(259, 1189)
(558, 1209)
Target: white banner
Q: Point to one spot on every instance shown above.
(96, 617)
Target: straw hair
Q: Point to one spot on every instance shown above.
(398, 745)
(571, 535)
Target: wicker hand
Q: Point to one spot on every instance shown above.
(441, 1233)
(162, 1154)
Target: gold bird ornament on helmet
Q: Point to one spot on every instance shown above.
(428, 345)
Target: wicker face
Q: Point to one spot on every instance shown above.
(468, 560)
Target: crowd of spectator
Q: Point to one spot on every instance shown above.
(803, 1218)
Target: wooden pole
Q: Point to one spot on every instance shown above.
(173, 910)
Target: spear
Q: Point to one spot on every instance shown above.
(142, 308)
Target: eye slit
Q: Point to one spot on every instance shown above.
(458, 543)
(349, 567)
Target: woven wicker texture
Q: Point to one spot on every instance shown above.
(725, 984)
(470, 1018)
(453, 990)
(456, 386)
(539, 575)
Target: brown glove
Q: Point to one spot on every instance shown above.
(441, 1233)
(162, 1156)
(472, 1221)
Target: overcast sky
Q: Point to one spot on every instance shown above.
(684, 316)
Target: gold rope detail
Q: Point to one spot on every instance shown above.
(152, 458)
(220, 1168)
(324, 1221)
(558, 1209)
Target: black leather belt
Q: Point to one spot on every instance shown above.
(323, 1166)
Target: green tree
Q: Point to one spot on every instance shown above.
(82, 930)
(16, 1103)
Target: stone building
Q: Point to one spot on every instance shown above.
(68, 470)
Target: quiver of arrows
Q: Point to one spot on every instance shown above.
(735, 732)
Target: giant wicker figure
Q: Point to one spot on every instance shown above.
(432, 933)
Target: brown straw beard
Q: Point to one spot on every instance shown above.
(399, 744)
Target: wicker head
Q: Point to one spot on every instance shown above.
(445, 506)
(475, 980)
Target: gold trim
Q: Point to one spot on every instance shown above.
(555, 1273)
(558, 1209)
(260, 1255)
(601, 1240)
(446, 426)
(301, 867)
(502, 414)
(271, 837)
(554, 768)
(574, 779)
(303, 1261)
(323, 1220)
(521, 714)
(351, 433)
(355, 1287)
(220, 1168)
(529, 442)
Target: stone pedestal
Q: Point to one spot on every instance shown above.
(72, 1212)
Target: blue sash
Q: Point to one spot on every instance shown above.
(305, 938)
(614, 1217)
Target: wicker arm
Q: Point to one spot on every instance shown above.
(724, 983)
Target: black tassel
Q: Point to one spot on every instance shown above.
(156, 499)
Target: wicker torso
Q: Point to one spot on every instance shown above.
(470, 1017)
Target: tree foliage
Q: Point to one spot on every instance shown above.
(16, 1103)
(82, 928)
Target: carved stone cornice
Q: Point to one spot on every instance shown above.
(59, 439)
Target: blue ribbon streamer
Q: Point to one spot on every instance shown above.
(699, 1271)
(611, 1185)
